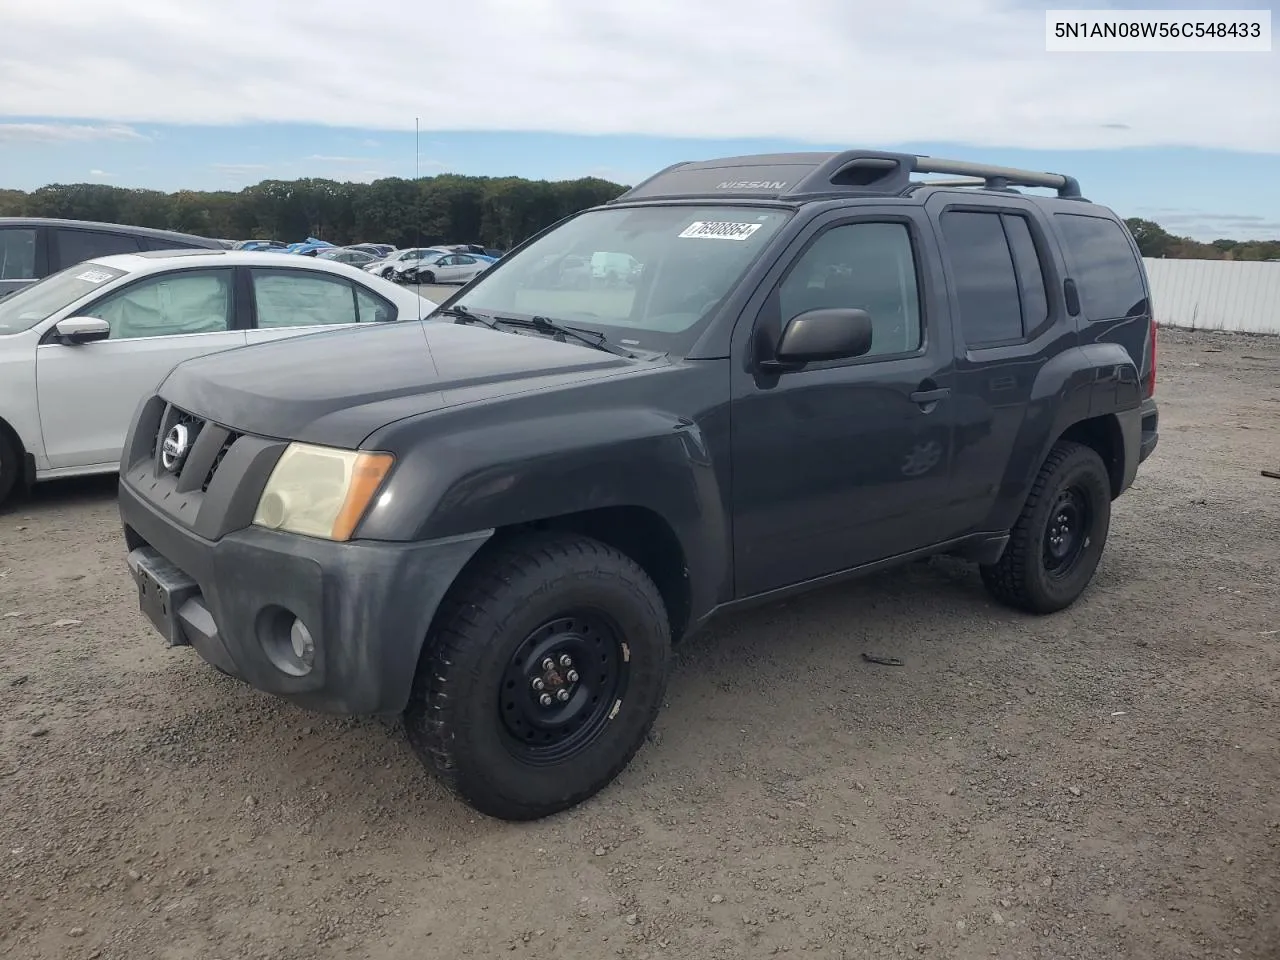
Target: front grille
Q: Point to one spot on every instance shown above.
(217, 460)
(207, 446)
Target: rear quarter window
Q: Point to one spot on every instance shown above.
(1106, 270)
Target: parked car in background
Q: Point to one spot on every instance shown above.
(379, 250)
(442, 268)
(261, 245)
(385, 268)
(79, 349)
(32, 248)
(357, 258)
(310, 246)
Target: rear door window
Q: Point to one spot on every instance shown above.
(76, 246)
(301, 298)
(1106, 270)
(985, 281)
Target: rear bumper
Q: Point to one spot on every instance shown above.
(1150, 428)
(367, 605)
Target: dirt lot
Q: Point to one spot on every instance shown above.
(1096, 784)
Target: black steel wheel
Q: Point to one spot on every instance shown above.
(541, 676)
(560, 685)
(1057, 542)
(1067, 530)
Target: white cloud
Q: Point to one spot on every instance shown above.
(838, 71)
(63, 132)
(321, 158)
(101, 174)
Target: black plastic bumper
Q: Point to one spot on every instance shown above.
(1150, 429)
(367, 605)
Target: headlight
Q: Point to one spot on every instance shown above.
(321, 491)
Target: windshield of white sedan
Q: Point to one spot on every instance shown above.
(25, 308)
(645, 275)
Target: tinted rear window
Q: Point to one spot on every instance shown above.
(76, 246)
(986, 285)
(1106, 270)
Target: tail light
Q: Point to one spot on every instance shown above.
(1151, 385)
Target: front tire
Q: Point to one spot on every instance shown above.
(427, 277)
(1055, 546)
(10, 467)
(542, 676)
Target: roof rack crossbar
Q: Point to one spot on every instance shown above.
(1003, 176)
(794, 177)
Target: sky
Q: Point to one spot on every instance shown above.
(220, 94)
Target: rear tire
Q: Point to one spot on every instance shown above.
(478, 716)
(10, 466)
(1055, 546)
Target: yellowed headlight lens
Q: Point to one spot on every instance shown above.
(320, 491)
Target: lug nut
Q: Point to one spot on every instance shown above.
(545, 700)
(566, 660)
(548, 664)
(537, 683)
(562, 695)
(572, 676)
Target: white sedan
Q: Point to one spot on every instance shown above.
(446, 267)
(81, 348)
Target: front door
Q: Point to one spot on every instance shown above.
(88, 393)
(845, 462)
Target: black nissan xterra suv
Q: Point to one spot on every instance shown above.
(498, 519)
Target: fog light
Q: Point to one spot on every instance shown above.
(304, 647)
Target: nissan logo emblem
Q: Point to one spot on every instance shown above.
(176, 446)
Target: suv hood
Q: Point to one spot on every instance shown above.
(337, 387)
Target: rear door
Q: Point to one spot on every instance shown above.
(88, 393)
(288, 302)
(1005, 284)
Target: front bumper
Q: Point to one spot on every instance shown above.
(367, 605)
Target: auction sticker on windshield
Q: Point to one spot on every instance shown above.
(95, 276)
(719, 230)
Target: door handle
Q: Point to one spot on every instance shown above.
(924, 397)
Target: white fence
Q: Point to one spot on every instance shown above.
(1242, 296)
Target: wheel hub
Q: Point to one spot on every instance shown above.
(1066, 534)
(559, 687)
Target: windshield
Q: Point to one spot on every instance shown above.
(643, 276)
(25, 308)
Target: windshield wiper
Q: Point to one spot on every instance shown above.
(463, 315)
(592, 338)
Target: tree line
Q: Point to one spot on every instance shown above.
(449, 208)
(493, 211)
(1154, 241)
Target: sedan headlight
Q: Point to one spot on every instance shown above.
(321, 491)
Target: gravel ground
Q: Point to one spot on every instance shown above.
(1095, 784)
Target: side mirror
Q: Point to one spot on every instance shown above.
(816, 335)
(77, 330)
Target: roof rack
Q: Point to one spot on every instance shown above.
(807, 176)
